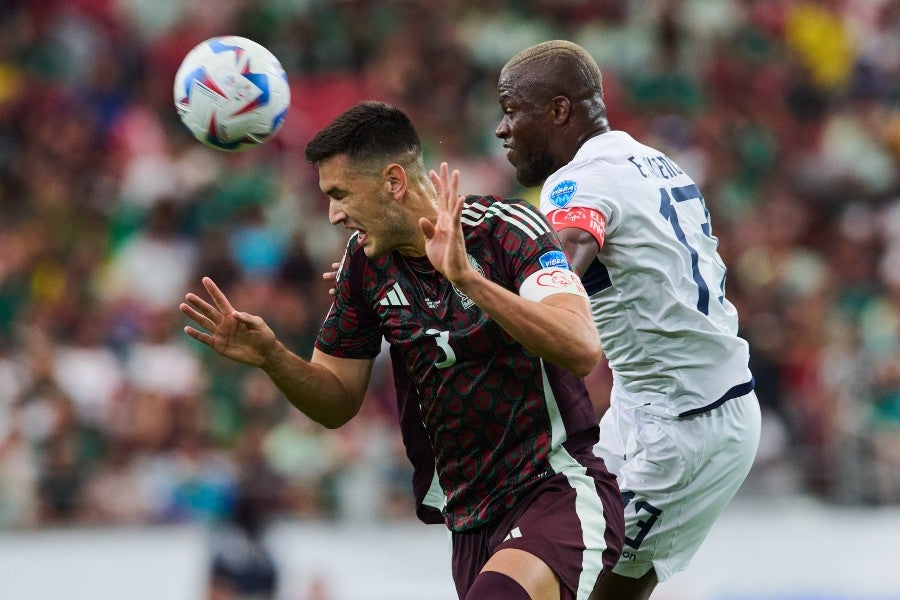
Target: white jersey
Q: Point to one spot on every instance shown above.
(657, 287)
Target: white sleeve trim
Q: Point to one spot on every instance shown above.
(549, 281)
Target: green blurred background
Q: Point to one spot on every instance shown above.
(785, 112)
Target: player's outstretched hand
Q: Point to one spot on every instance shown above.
(237, 335)
(444, 241)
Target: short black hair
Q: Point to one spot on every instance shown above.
(366, 132)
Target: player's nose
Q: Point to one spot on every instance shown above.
(336, 214)
(502, 130)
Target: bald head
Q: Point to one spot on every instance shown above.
(551, 95)
(558, 67)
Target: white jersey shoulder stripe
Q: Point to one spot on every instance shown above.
(475, 208)
(539, 224)
(479, 211)
(513, 215)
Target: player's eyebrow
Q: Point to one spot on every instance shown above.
(333, 191)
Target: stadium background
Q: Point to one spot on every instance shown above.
(119, 432)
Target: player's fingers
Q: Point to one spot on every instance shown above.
(203, 307)
(455, 200)
(201, 337)
(201, 320)
(219, 298)
(331, 276)
(457, 209)
(441, 182)
(439, 186)
(445, 180)
(454, 184)
(427, 227)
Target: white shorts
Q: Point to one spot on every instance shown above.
(676, 476)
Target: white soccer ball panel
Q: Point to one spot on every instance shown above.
(231, 93)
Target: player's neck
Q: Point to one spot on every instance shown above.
(599, 127)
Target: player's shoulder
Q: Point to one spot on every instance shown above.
(595, 173)
(498, 215)
(602, 155)
(578, 183)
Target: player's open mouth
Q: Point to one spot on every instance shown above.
(361, 236)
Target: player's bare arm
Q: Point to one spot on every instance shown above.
(559, 328)
(328, 389)
(581, 248)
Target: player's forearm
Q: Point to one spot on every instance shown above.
(311, 388)
(563, 335)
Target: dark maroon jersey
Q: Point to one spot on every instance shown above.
(498, 418)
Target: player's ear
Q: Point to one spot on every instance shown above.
(562, 109)
(395, 180)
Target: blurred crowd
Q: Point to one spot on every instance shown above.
(786, 112)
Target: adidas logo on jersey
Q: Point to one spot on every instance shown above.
(394, 297)
(514, 533)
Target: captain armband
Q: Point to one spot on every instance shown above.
(581, 217)
(550, 281)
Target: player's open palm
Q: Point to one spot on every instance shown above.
(239, 336)
(444, 241)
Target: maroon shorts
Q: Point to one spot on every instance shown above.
(572, 520)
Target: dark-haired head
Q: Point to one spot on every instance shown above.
(369, 133)
(370, 166)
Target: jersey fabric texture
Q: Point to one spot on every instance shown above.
(657, 287)
(682, 428)
(497, 417)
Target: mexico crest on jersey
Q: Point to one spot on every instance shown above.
(465, 300)
(562, 192)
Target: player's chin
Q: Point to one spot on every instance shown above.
(526, 176)
(370, 248)
(513, 158)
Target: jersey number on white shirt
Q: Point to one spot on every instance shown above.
(694, 233)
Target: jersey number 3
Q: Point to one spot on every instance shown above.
(442, 339)
(695, 235)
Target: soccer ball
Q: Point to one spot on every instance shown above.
(231, 93)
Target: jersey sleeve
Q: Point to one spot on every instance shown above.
(351, 328)
(582, 197)
(530, 252)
